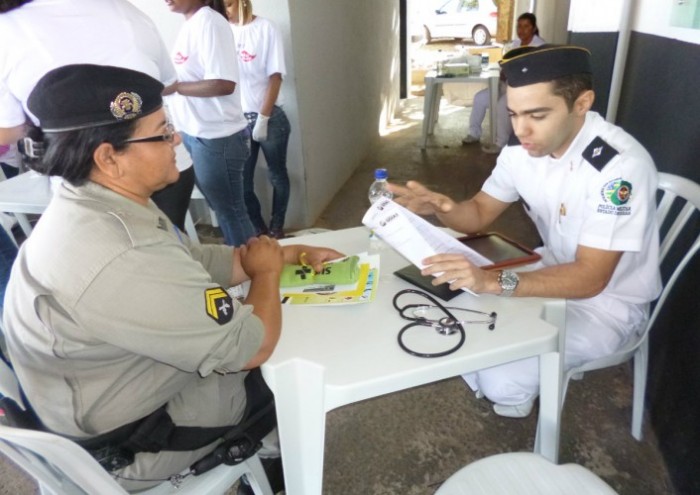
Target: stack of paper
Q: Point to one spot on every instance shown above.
(414, 237)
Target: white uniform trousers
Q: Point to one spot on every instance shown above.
(595, 328)
(481, 104)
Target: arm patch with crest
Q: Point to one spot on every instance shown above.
(599, 153)
(219, 305)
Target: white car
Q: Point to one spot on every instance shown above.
(466, 19)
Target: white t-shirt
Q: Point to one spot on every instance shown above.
(44, 34)
(10, 156)
(535, 41)
(260, 54)
(601, 193)
(203, 50)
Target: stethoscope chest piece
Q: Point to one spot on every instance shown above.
(446, 325)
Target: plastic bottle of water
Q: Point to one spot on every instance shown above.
(378, 190)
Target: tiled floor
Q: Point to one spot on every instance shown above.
(407, 443)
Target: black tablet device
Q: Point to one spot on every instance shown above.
(411, 274)
(503, 252)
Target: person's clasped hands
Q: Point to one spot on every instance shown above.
(261, 255)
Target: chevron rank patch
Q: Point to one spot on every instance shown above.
(219, 305)
(599, 153)
(615, 195)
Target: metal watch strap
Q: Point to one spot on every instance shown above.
(508, 281)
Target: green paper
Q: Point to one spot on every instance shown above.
(343, 272)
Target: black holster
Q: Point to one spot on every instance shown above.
(155, 432)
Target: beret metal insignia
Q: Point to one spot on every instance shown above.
(126, 106)
(219, 305)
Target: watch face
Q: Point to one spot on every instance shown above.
(508, 280)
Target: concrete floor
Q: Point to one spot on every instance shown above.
(407, 443)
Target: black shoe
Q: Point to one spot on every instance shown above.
(275, 475)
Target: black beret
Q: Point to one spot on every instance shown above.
(81, 96)
(535, 64)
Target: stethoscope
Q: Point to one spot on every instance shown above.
(446, 325)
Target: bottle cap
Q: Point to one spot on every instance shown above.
(381, 173)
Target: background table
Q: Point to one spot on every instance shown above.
(433, 92)
(24, 194)
(31, 193)
(329, 356)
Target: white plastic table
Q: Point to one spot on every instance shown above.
(31, 193)
(25, 193)
(328, 357)
(433, 92)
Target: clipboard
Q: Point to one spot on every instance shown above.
(504, 252)
(412, 275)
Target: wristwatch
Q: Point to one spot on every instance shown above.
(508, 281)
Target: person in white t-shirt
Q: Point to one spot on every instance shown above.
(590, 189)
(261, 65)
(528, 35)
(37, 36)
(206, 109)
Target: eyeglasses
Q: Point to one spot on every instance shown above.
(168, 137)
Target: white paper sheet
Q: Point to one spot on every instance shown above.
(414, 237)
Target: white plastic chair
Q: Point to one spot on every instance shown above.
(61, 466)
(523, 473)
(681, 197)
(5, 225)
(189, 221)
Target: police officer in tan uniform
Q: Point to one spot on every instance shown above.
(111, 312)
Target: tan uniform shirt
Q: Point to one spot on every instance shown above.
(111, 313)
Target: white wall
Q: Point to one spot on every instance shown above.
(654, 16)
(648, 16)
(346, 57)
(341, 88)
(600, 16)
(552, 17)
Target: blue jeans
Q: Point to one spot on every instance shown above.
(8, 253)
(218, 169)
(274, 150)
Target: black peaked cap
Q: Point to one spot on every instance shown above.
(527, 65)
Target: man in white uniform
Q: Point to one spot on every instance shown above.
(590, 189)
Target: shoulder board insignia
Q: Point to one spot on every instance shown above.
(218, 305)
(162, 224)
(599, 153)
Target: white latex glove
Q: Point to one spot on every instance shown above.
(260, 128)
